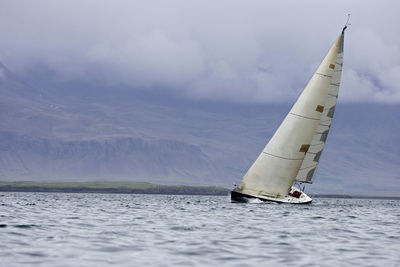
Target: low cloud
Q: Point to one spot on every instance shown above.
(235, 51)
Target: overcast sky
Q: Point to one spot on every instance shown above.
(251, 51)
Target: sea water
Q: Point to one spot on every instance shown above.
(62, 229)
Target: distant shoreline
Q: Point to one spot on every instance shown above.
(140, 188)
(353, 197)
(111, 187)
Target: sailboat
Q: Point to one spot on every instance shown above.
(292, 154)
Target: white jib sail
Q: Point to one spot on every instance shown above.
(276, 168)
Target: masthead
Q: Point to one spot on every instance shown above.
(347, 23)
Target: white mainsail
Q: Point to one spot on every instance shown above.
(313, 154)
(293, 152)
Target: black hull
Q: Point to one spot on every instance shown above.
(243, 198)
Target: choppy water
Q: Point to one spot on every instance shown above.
(59, 229)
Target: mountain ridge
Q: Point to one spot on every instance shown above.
(128, 135)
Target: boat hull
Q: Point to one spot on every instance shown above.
(244, 198)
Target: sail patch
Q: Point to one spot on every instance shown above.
(332, 66)
(304, 148)
(320, 108)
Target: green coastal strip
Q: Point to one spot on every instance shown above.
(111, 187)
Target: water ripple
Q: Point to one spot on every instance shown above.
(57, 229)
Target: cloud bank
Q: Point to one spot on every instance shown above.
(258, 51)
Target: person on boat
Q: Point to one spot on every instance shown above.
(295, 194)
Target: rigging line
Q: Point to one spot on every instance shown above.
(312, 153)
(348, 19)
(303, 116)
(326, 118)
(279, 156)
(324, 75)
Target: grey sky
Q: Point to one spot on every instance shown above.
(261, 51)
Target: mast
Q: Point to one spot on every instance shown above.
(291, 147)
